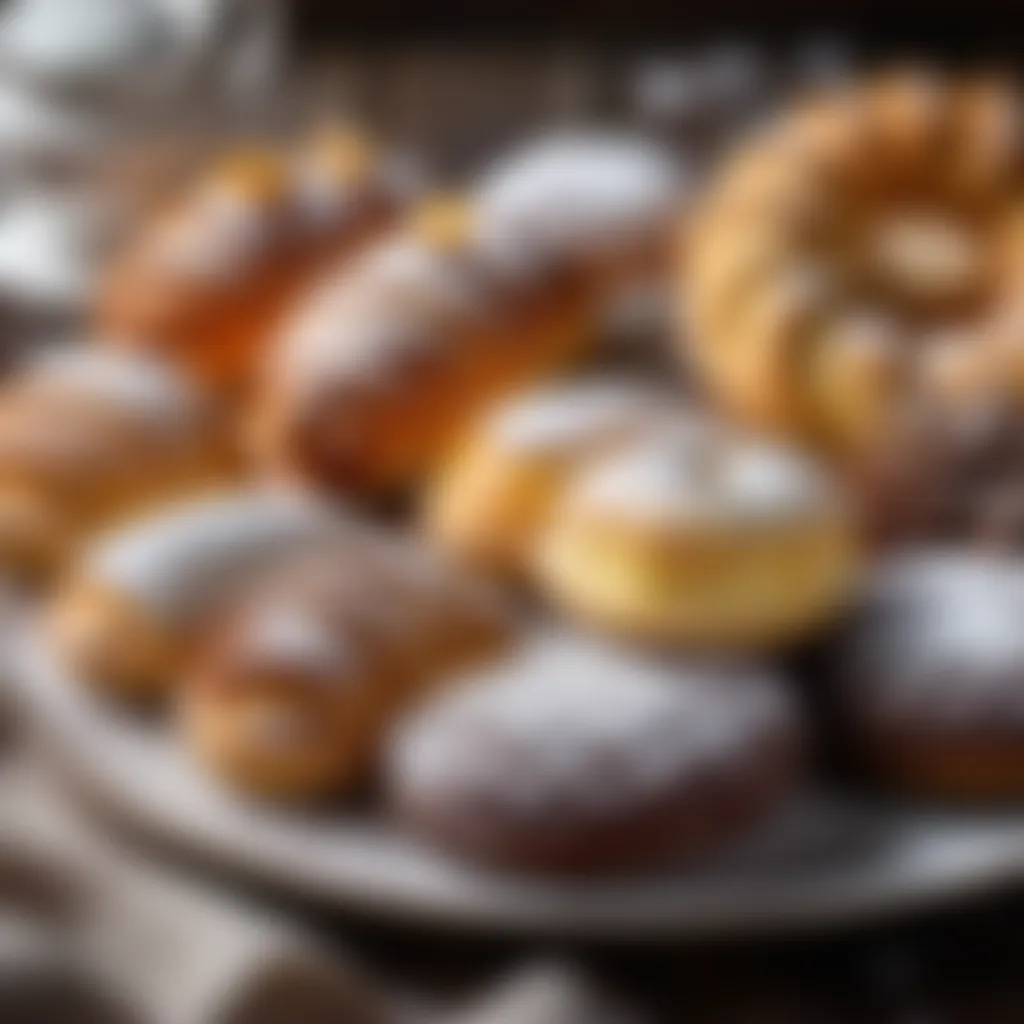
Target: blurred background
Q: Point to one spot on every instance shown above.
(106, 107)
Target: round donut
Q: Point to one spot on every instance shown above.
(90, 437)
(573, 759)
(295, 690)
(930, 676)
(489, 504)
(138, 601)
(835, 252)
(207, 282)
(698, 536)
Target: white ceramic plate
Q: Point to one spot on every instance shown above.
(830, 863)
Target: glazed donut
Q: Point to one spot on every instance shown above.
(296, 689)
(838, 248)
(139, 600)
(207, 282)
(385, 364)
(89, 437)
(699, 536)
(930, 676)
(489, 504)
(572, 758)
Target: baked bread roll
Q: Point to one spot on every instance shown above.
(295, 690)
(697, 536)
(488, 506)
(139, 600)
(840, 247)
(385, 364)
(90, 437)
(207, 282)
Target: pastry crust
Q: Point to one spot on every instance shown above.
(386, 364)
(89, 438)
(835, 249)
(139, 600)
(699, 537)
(207, 282)
(489, 504)
(297, 687)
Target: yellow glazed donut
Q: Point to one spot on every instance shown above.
(207, 282)
(699, 537)
(296, 689)
(89, 437)
(386, 363)
(841, 253)
(139, 599)
(489, 504)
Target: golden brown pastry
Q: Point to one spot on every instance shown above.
(207, 282)
(89, 437)
(699, 537)
(139, 600)
(386, 363)
(854, 251)
(489, 504)
(294, 693)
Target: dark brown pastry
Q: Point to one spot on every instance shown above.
(949, 472)
(930, 676)
(572, 758)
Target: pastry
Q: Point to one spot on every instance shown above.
(208, 281)
(386, 363)
(602, 201)
(138, 601)
(503, 481)
(835, 251)
(699, 536)
(295, 690)
(948, 473)
(572, 758)
(90, 437)
(930, 676)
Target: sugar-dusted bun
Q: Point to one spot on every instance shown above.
(89, 437)
(297, 687)
(572, 758)
(140, 598)
(930, 676)
(207, 282)
(386, 364)
(700, 536)
(835, 249)
(603, 200)
(489, 504)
